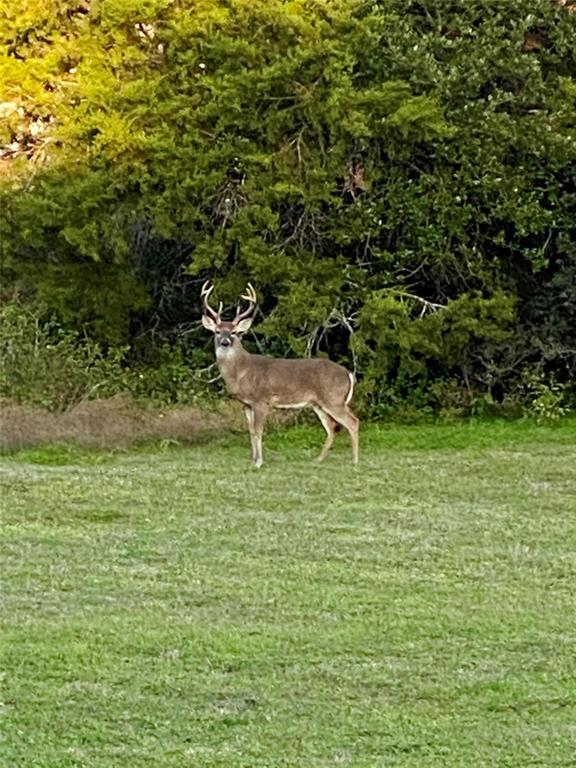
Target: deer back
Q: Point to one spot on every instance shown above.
(285, 383)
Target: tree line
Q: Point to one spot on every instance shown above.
(396, 177)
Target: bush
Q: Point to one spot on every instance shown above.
(44, 364)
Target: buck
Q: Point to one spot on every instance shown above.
(260, 382)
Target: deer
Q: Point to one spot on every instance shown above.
(261, 382)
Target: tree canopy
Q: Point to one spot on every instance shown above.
(397, 178)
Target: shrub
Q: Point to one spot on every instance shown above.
(44, 364)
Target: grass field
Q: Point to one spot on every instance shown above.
(172, 606)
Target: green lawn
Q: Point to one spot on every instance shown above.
(172, 606)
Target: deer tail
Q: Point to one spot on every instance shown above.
(351, 392)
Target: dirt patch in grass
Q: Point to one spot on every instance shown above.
(115, 422)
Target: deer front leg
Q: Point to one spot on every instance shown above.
(260, 413)
(249, 413)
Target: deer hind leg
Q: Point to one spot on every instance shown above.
(330, 425)
(344, 416)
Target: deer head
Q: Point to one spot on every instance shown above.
(227, 333)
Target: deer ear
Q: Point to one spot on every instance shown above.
(209, 323)
(243, 325)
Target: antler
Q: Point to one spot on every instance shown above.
(207, 289)
(252, 299)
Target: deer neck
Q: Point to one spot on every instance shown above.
(232, 364)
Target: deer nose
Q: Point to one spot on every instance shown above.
(225, 342)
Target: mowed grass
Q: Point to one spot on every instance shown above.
(172, 606)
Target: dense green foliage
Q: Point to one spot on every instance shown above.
(44, 364)
(359, 162)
